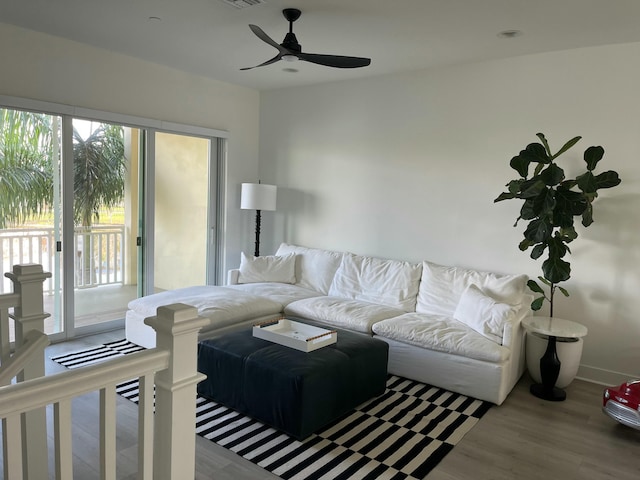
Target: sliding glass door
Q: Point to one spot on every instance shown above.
(30, 202)
(113, 211)
(181, 209)
(105, 210)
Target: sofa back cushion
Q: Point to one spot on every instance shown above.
(386, 282)
(314, 268)
(441, 287)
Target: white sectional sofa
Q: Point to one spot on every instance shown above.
(450, 327)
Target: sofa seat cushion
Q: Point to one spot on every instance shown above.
(344, 313)
(388, 282)
(282, 293)
(441, 333)
(224, 306)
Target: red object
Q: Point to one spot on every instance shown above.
(623, 403)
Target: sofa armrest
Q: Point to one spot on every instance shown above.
(232, 276)
(513, 331)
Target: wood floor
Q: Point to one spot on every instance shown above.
(525, 438)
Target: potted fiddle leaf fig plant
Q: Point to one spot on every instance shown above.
(550, 204)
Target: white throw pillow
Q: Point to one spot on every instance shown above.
(482, 313)
(271, 268)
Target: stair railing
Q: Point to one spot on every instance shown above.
(28, 318)
(166, 439)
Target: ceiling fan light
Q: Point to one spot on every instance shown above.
(289, 58)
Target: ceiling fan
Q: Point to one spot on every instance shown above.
(290, 50)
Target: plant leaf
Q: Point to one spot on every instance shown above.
(608, 179)
(545, 281)
(552, 175)
(538, 250)
(535, 152)
(524, 244)
(531, 188)
(504, 196)
(587, 216)
(543, 139)
(568, 234)
(567, 146)
(587, 182)
(514, 186)
(556, 270)
(564, 291)
(537, 304)
(521, 165)
(534, 287)
(557, 248)
(538, 169)
(570, 201)
(592, 156)
(528, 211)
(538, 230)
(544, 204)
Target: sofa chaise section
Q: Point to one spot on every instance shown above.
(226, 309)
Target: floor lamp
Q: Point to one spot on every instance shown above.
(258, 197)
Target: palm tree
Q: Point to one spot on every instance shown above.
(98, 172)
(98, 181)
(26, 170)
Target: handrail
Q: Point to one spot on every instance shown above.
(7, 301)
(34, 341)
(55, 388)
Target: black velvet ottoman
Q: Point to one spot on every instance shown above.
(290, 390)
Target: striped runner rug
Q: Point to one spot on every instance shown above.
(403, 434)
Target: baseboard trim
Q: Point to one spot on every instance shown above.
(602, 376)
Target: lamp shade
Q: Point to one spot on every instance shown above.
(258, 196)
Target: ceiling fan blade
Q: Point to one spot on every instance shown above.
(267, 39)
(336, 61)
(268, 62)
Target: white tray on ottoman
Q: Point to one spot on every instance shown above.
(300, 336)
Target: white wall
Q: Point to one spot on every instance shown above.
(407, 167)
(52, 69)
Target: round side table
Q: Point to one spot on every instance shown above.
(554, 329)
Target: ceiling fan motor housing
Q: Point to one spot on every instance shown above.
(291, 43)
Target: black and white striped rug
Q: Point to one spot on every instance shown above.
(403, 434)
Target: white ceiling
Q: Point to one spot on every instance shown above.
(211, 38)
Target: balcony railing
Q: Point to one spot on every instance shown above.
(98, 259)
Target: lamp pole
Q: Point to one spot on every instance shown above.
(257, 252)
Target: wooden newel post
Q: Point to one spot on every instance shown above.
(177, 328)
(29, 315)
